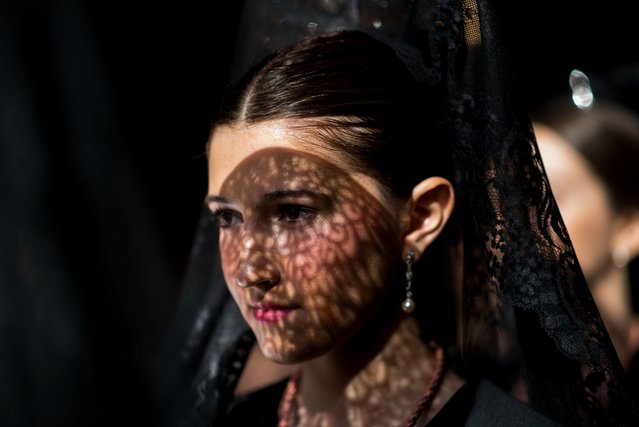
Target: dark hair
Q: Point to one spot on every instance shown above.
(356, 95)
(359, 98)
(607, 136)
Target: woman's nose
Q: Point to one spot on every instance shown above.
(257, 265)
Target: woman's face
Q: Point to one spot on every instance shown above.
(308, 247)
(582, 200)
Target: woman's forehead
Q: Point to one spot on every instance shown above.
(230, 145)
(276, 152)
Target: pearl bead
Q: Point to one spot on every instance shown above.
(408, 305)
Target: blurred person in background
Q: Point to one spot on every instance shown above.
(590, 149)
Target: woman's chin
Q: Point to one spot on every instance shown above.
(288, 354)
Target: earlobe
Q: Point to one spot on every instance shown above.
(430, 207)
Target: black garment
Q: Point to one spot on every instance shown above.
(256, 408)
(480, 404)
(483, 404)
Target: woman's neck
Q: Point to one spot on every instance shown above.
(375, 378)
(611, 292)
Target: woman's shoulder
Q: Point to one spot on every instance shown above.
(483, 403)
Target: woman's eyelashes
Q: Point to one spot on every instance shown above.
(226, 218)
(287, 213)
(293, 213)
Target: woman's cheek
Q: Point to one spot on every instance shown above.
(229, 254)
(327, 267)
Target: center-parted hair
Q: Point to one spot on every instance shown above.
(357, 95)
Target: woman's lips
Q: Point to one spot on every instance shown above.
(270, 313)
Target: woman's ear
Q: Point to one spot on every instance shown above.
(428, 210)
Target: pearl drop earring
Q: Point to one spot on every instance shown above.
(409, 305)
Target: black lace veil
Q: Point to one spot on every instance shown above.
(525, 302)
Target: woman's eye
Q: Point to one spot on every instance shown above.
(294, 213)
(227, 218)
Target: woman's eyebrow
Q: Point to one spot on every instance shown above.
(282, 194)
(217, 199)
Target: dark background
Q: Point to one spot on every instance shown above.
(105, 108)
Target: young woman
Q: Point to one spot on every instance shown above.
(383, 217)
